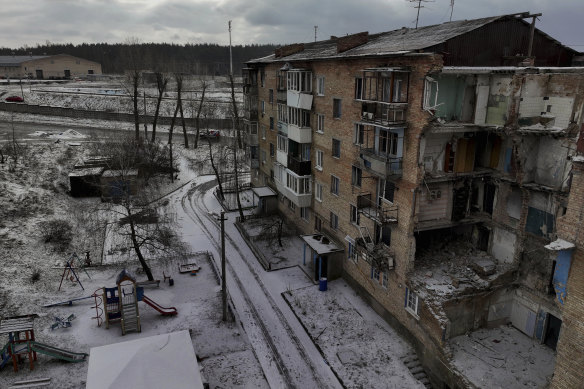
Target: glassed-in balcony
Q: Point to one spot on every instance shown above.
(299, 88)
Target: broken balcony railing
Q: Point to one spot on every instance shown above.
(380, 256)
(384, 114)
(381, 165)
(381, 213)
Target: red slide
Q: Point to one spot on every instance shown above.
(163, 311)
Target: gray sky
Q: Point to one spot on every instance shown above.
(27, 22)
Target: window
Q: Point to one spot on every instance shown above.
(282, 143)
(387, 142)
(352, 253)
(374, 273)
(319, 156)
(300, 81)
(271, 122)
(263, 132)
(386, 191)
(253, 128)
(282, 113)
(271, 96)
(317, 223)
(412, 302)
(359, 88)
(263, 153)
(337, 108)
(305, 213)
(299, 117)
(291, 205)
(263, 106)
(334, 221)
(356, 176)
(318, 191)
(320, 85)
(354, 215)
(272, 150)
(335, 182)
(253, 152)
(384, 280)
(263, 77)
(320, 123)
(359, 136)
(336, 148)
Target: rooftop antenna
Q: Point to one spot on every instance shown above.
(315, 28)
(418, 7)
(451, 8)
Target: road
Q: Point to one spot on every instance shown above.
(287, 355)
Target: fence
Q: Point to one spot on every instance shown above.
(215, 123)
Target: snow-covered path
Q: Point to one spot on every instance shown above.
(286, 353)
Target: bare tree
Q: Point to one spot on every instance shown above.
(204, 86)
(179, 107)
(161, 84)
(133, 77)
(139, 216)
(236, 121)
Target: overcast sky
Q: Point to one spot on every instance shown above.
(28, 22)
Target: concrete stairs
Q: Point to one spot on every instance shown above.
(413, 364)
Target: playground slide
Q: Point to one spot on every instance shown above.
(55, 352)
(163, 310)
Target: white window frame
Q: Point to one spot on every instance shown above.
(320, 86)
(319, 160)
(412, 302)
(320, 123)
(358, 132)
(263, 107)
(352, 254)
(282, 144)
(354, 216)
(356, 176)
(264, 131)
(375, 273)
(318, 191)
(385, 279)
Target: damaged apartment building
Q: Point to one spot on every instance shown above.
(438, 161)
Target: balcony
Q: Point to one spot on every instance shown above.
(382, 212)
(381, 165)
(299, 134)
(383, 114)
(254, 163)
(297, 99)
(282, 157)
(299, 192)
(251, 115)
(249, 89)
(283, 128)
(252, 139)
(281, 96)
(301, 168)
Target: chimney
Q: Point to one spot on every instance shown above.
(350, 41)
(285, 51)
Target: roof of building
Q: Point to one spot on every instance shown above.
(16, 60)
(396, 42)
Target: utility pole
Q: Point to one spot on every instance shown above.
(145, 127)
(223, 278)
(418, 7)
(451, 8)
(315, 28)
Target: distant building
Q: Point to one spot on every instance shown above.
(61, 66)
(439, 159)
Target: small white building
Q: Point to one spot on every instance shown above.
(161, 361)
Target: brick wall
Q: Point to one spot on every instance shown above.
(570, 349)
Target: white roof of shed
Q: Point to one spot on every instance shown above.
(161, 361)
(263, 191)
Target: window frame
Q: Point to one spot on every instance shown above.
(337, 108)
(336, 148)
(356, 176)
(305, 214)
(319, 157)
(412, 299)
(334, 221)
(354, 216)
(335, 185)
(318, 191)
(320, 123)
(320, 86)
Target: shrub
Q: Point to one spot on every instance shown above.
(57, 231)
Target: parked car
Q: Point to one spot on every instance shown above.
(213, 134)
(15, 99)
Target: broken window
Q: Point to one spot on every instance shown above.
(356, 176)
(430, 94)
(354, 214)
(386, 191)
